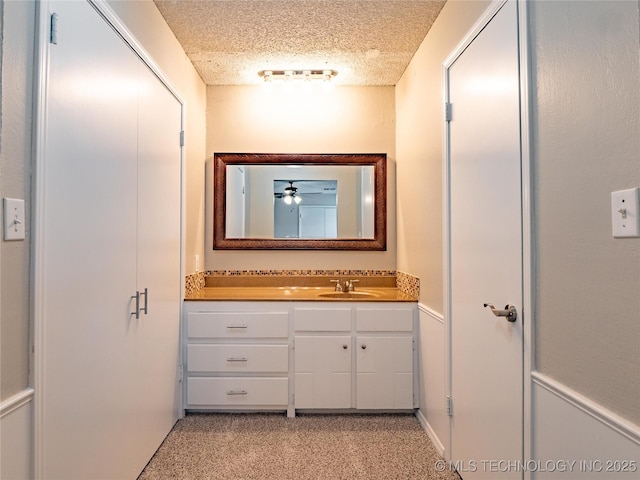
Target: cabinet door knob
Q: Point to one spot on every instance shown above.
(364, 347)
(345, 347)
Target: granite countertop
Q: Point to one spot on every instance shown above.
(313, 294)
(312, 288)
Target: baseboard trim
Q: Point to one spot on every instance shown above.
(432, 435)
(431, 313)
(594, 410)
(16, 401)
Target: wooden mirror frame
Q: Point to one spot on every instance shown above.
(221, 160)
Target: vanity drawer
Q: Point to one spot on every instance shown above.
(384, 320)
(238, 358)
(238, 325)
(322, 319)
(216, 392)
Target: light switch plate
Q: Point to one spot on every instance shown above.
(13, 219)
(625, 209)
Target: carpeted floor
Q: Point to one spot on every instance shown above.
(271, 446)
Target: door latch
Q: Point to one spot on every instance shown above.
(509, 311)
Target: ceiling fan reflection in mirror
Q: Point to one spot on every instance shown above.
(291, 195)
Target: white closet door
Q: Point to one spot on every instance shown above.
(486, 249)
(157, 331)
(89, 252)
(111, 207)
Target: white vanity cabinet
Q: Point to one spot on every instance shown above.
(236, 356)
(299, 355)
(354, 356)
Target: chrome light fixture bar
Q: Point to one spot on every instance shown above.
(306, 75)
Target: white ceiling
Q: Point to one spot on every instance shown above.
(323, 187)
(369, 42)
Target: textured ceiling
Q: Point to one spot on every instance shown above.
(369, 42)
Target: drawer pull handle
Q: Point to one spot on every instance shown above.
(232, 359)
(237, 392)
(236, 326)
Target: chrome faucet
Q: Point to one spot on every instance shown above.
(349, 285)
(338, 286)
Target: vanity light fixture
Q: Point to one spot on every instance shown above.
(307, 75)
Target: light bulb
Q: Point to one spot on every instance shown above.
(287, 199)
(297, 199)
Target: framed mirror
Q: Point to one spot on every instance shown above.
(301, 202)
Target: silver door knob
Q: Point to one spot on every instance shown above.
(509, 312)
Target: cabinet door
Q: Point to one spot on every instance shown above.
(158, 260)
(323, 371)
(384, 372)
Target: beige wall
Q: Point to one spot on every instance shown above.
(15, 171)
(342, 120)
(586, 144)
(586, 119)
(146, 23)
(419, 150)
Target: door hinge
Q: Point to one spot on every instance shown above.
(180, 373)
(413, 344)
(449, 406)
(182, 138)
(53, 32)
(448, 111)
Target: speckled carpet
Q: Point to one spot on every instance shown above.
(271, 446)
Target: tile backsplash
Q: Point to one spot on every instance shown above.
(406, 283)
(193, 283)
(298, 273)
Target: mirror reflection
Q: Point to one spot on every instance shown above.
(307, 209)
(339, 195)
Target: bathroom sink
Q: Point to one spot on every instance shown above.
(348, 295)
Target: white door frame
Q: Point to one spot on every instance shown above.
(527, 209)
(41, 66)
